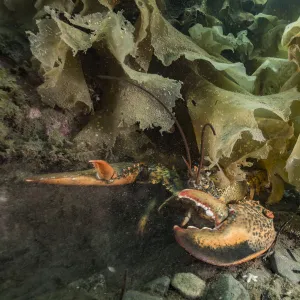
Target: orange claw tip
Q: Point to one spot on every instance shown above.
(180, 229)
(104, 169)
(181, 232)
(177, 228)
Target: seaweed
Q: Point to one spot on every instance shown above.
(230, 63)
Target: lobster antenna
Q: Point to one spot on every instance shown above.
(202, 149)
(187, 149)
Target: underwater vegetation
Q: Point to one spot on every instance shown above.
(130, 86)
(231, 63)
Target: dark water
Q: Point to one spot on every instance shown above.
(51, 236)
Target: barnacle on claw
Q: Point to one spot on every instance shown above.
(240, 232)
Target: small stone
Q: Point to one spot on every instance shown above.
(284, 287)
(174, 295)
(284, 264)
(135, 295)
(256, 288)
(94, 286)
(189, 285)
(158, 286)
(270, 294)
(226, 287)
(279, 284)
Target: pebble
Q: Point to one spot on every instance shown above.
(284, 287)
(174, 295)
(256, 288)
(226, 287)
(158, 286)
(270, 294)
(135, 295)
(188, 285)
(284, 264)
(94, 286)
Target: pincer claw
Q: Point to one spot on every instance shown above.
(240, 232)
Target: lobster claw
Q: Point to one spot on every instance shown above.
(240, 233)
(102, 174)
